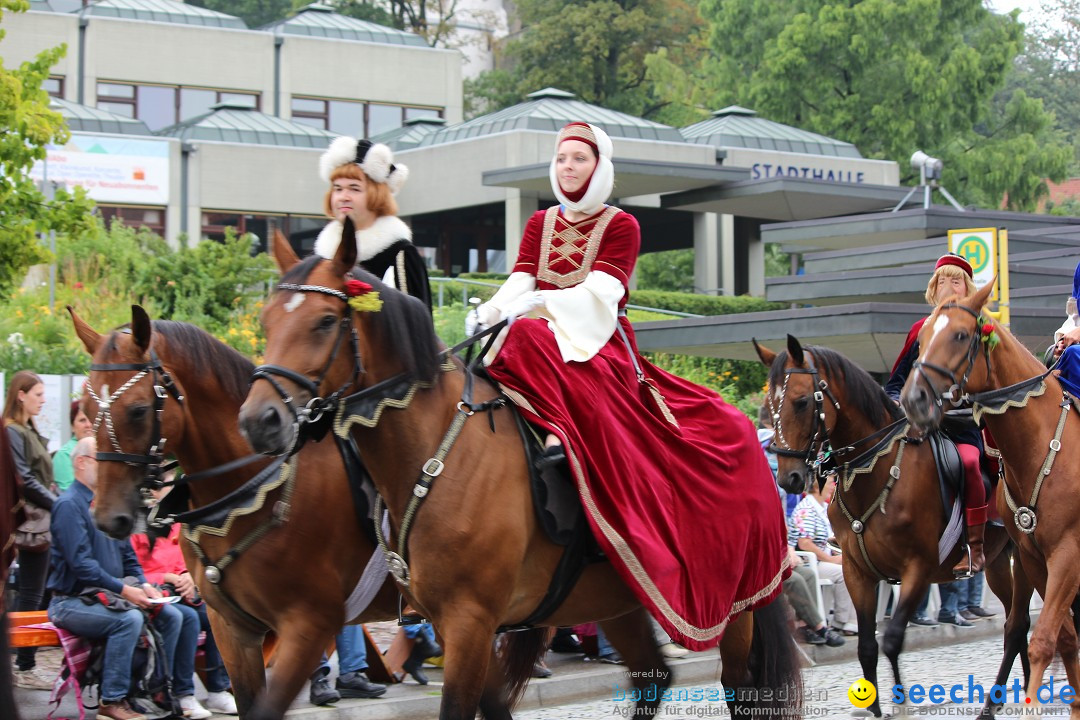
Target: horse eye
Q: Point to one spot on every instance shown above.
(137, 412)
(327, 322)
(961, 336)
(801, 404)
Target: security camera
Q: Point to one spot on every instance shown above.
(928, 167)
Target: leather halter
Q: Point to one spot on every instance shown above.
(818, 452)
(316, 406)
(154, 455)
(955, 393)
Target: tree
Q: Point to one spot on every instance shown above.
(596, 49)
(890, 76)
(27, 125)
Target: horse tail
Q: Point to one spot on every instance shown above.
(8, 708)
(519, 652)
(774, 660)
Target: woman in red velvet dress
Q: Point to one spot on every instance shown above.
(673, 481)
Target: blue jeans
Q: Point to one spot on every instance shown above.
(950, 599)
(217, 678)
(603, 647)
(351, 651)
(413, 632)
(184, 662)
(971, 591)
(121, 632)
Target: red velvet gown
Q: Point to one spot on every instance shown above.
(681, 500)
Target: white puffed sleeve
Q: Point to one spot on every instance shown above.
(583, 317)
(516, 285)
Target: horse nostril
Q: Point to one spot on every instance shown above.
(122, 526)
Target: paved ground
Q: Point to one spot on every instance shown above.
(580, 689)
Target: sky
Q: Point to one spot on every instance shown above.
(1028, 8)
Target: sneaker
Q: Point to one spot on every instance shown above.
(540, 670)
(814, 637)
(673, 650)
(611, 658)
(192, 709)
(832, 638)
(955, 620)
(566, 644)
(221, 702)
(968, 615)
(34, 679)
(119, 710)
(980, 612)
(923, 620)
(321, 693)
(356, 685)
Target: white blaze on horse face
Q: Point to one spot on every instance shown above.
(778, 394)
(294, 302)
(940, 324)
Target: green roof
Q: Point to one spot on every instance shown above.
(232, 123)
(166, 11)
(411, 133)
(549, 109)
(321, 21)
(82, 118)
(736, 126)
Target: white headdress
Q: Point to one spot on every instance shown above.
(375, 159)
(602, 181)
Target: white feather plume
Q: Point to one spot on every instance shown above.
(342, 151)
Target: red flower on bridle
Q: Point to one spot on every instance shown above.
(356, 288)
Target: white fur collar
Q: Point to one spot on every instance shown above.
(385, 231)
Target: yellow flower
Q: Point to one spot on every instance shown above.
(232, 332)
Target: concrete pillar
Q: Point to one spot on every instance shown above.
(519, 208)
(706, 253)
(755, 262)
(727, 254)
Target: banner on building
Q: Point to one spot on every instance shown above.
(112, 169)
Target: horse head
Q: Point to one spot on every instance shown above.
(134, 405)
(331, 329)
(949, 347)
(801, 419)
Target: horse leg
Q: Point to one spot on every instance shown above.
(241, 651)
(467, 642)
(300, 647)
(1062, 580)
(509, 671)
(1067, 648)
(632, 636)
(735, 673)
(863, 591)
(1009, 583)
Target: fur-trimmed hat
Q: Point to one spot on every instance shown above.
(375, 159)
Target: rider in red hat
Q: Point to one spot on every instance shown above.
(952, 277)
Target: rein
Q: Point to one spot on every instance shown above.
(955, 393)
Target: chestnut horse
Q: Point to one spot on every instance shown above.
(296, 578)
(830, 414)
(965, 357)
(476, 557)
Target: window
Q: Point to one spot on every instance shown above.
(151, 218)
(54, 86)
(162, 105)
(348, 117)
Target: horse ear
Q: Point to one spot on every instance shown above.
(140, 328)
(91, 338)
(795, 350)
(978, 300)
(283, 252)
(767, 356)
(345, 257)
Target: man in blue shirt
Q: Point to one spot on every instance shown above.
(85, 557)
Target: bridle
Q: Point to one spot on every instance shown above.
(154, 455)
(818, 454)
(955, 394)
(317, 406)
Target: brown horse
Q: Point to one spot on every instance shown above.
(966, 357)
(828, 410)
(296, 578)
(476, 556)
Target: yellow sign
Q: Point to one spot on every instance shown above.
(862, 693)
(979, 247)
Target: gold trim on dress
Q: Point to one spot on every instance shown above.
(569, 249)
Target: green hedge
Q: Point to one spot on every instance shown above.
(701, 304)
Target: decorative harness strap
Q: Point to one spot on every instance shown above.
(1024, 515)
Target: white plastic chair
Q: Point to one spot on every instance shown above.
(811, 561)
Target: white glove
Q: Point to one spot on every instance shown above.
(473, 324)
(521, 306)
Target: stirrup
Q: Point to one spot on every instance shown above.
(964, 574)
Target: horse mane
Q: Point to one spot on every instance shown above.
(859, 386)
(403, 327)
(192, 344)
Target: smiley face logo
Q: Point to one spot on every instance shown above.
(862, 693)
